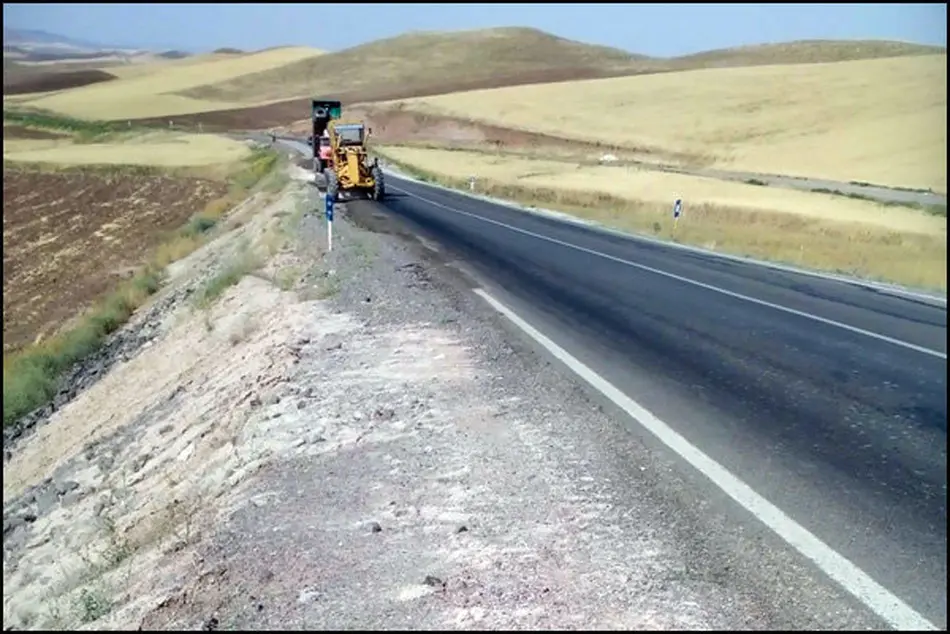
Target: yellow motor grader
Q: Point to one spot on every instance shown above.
(349, 172)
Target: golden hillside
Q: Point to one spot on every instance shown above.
(152, 90)
(882, 121)
(428, 63)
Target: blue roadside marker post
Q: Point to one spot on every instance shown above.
(677, 210)
(328, 208)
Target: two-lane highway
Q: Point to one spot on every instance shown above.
(817, 405)
(826, 398)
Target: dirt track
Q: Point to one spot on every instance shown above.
(21, 84)
(22, 132)
(68, 235)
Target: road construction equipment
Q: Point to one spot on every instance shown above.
(350, 174)
(322, 111)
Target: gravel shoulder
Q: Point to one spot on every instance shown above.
(350, 440)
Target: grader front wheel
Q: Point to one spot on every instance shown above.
(379, 186)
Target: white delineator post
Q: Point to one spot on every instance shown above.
(471, 183)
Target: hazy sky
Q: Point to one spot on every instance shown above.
(652, 29)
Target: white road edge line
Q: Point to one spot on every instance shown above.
(680, 278)
(876, 597)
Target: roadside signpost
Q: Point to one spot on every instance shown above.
(677, 210)
(328, 209)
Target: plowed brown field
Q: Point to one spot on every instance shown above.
(69, 235)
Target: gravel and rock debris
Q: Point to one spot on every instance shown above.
(341, 440)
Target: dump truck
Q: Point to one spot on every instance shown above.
(322, 111)
(324, 153)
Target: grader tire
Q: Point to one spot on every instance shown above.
(379, 185)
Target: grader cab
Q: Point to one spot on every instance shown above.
(350, 173)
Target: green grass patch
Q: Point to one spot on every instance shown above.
(261, 163)
(82, 130)
(243, 263)
(31, 376)
(91, 605)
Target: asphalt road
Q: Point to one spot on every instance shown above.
(826, 398)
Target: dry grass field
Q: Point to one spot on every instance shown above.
(819, 230)
(881, 121)
(802, 52)
(161, 64)
(160, 149)
(152, 91)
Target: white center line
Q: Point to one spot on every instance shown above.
(875, 596)
(686, 280)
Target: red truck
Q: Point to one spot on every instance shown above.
(324, 151)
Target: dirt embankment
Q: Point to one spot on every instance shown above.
(70, 235)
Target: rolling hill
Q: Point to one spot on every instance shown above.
(429, 63)
(31, 45)
(802, 52)
(150, 89)
(14, 36)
